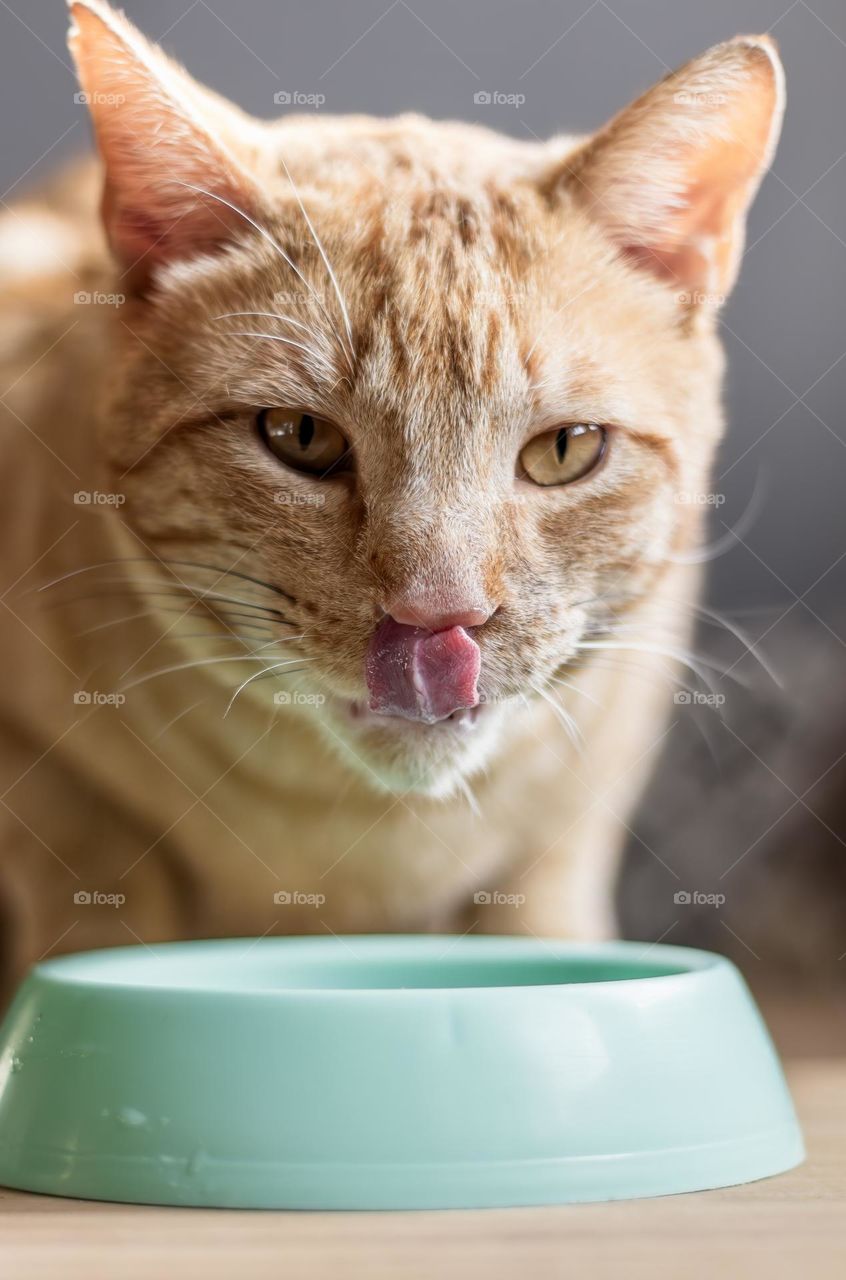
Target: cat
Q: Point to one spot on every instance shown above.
(352, 473)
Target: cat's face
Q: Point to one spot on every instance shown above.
(505, 413)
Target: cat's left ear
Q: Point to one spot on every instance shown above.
(670, 179)
(178, 159)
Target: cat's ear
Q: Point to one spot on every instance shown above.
(672, 176)
(172, 180)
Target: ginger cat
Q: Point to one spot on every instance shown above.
(350, 483)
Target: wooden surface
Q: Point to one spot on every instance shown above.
(790, 1226)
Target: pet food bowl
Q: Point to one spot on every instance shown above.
(388, 1073)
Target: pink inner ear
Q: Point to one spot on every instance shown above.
(163, 141)
(422, 675)
(145, 230)
(672, 176)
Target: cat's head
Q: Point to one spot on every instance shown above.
(417, 371)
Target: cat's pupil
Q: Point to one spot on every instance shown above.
(561, 443)
(306, 431)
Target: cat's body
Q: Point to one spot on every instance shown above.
(442, 290)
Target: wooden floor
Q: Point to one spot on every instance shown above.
(790, 1226)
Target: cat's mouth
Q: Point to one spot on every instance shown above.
(463, 719)
(428, 676)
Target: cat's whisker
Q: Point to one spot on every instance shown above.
(660, 678)
(701, 612)
(153, 613)
(232, 637)
(655, 675)
(266, 671)
(271, 337)
(179, 716)
(574, 688)
(194, 564)
(270, 315)
(229, 637)
(663, 651)
(751, 647)
(172, 591)
(718, 620)
(326, 262)
(698, 663)
(571, 728)
(272, 242)
(466, 790)
(733, 534)
(196, 662)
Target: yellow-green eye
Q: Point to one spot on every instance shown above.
(564, 454)
(304, 442)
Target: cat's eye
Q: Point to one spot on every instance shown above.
(564, 454)
(304, 442)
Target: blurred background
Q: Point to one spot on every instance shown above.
(747, 803)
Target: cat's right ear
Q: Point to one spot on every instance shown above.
(671, 178)
(174, 187)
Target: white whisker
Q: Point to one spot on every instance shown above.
(571, 728)
(176, 718)
(676, 606)
(270, 240)
(326, 261)
(266, 671)
(665, 651)
(272, 337)
(574, 688)
(463, 786)
(271, 315)
(733, 534)
(221, 573)
(177, 590)
(187, 666)
(154, 613)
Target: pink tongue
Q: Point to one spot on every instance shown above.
(422, 675)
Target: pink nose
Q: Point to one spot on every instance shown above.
(422, 674)
(419, 613)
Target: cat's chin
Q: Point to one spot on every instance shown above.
(399, 754)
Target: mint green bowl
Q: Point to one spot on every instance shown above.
(388, 1073)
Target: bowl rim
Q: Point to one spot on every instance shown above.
(89, 970)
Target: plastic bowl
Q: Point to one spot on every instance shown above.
(388, 1073)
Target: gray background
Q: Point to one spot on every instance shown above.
(723, 813)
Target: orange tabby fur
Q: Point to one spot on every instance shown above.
(449, 293)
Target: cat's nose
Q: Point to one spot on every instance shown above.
(430, 616)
